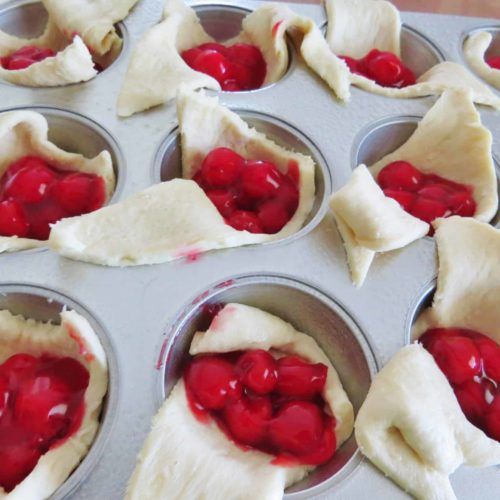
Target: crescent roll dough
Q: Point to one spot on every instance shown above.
(176, 218)
(357, 26)
(475, 48)
(183, 458)
(24, 133)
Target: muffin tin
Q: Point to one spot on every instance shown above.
(149, 313)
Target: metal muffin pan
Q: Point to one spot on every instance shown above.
(142, 306)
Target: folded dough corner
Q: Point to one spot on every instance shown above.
(475, 48)
(25, 133)
(173, 219)
(80, 32)
(411, 425)
(449, 141)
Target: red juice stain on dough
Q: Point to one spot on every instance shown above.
(25, 57)
(242, 392)
(385, 68)
(275, 29)
(82, 345)
(471, 363)
(189, 254)
(41, 406)
(34, 195)
(237, 67)
(251, 195)
(426, 196)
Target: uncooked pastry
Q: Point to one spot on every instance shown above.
(450, 141)
(468, 285)
(413, 429)
(24, 133)
(75, 338)
(183, 458)
(371, 222)
(357, 26)
(175, 219)
(157, 71)
(475, 48)
(71, 64)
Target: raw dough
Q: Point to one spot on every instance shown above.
(468, 286)
(412, 427)
(72, 63)
(24, 133)
(175, 219)
(157, 71)
(75, 338)
(451, 141)
(371, 222)
(357, 26)
(475, 48)
(183, 458)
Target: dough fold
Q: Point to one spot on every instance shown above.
(371, 222)
(475, 48)
(25, 133)
(413, 429)
(357, 26)
(184, 458)
(157, 71)
(175, 219)
(73, 337)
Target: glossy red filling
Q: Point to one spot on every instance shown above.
(494, 62)
(237, 67)
(471, 363)
(426, 196)
(34, 195)
(251, 195)
(385, 68)
(41, 405)
(273, 405)
(25, 57)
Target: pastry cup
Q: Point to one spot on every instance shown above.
(45, 305)
(307, 309)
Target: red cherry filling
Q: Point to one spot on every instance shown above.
(34, 195)
(25, 57)
(471, 363)
(426, 196)
(252, 195)
(385, 68)
(494, 62)
(41, 405)
(237, 67)
(250, 396)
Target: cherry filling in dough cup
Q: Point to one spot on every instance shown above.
(45, 305)
(28, 19)
(167, 164)
(223, 23)
(470, 361)
(477, 48)
(308, 310)
(418, 53)
(385, 136)
(72, 133)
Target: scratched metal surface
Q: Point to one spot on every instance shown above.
(137, 306)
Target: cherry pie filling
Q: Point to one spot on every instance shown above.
(493, 62)
(425, 196)
(251, 195)
(471, 363)
(267, 402)
(25, 57)
(238, 67)
(41, 406)
(385, 68)
(34, 195)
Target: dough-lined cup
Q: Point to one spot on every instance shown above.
(381, 137)
(310, 311)
(167, 163)
(45, 304)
